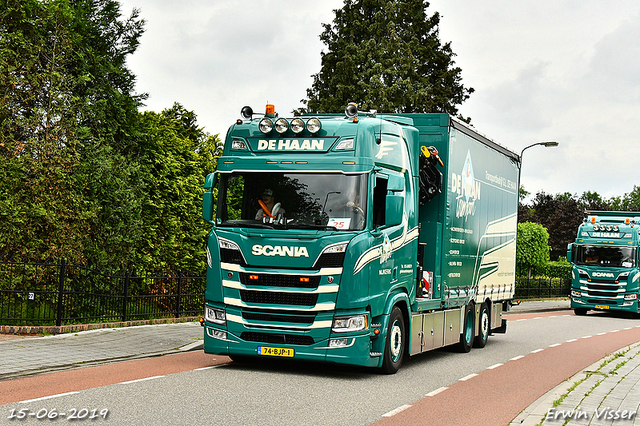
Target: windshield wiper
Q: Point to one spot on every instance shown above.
(249, 225)
(309, 226)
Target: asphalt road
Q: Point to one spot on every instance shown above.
(195, 388)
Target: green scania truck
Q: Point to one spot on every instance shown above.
(357, 238)
(605, 274)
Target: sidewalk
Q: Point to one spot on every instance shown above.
(34, 355)
(605, 393)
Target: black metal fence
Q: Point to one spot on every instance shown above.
(60, 293)
(532, 288)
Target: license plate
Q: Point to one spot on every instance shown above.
(271, 351)
(602, 307)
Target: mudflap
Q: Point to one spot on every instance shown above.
(502, 329)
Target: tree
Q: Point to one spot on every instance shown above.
(66, 107)
(532, 249)
(386, 55)
(176, 155)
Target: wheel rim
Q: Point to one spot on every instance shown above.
(395, 341)
(484, 324)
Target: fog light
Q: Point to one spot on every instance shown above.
(217, 334)
(338, 343)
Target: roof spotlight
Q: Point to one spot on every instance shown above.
(297, 125)
(351, 110)
(246, 112)
(281, 125)
(266, 125)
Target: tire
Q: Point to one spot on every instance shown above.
(580, 311)
(483, 327)
(466, 337)
(395, 342)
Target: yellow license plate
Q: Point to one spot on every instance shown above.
(602, 307)
(270, 351)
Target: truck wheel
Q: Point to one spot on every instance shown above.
(483, 328)
(580, 311)
(466, 337)
(395, 342)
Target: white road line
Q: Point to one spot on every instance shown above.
(494, 366)
(470, 376)
(437, 391)
(601, 334)
(47, 397)
(536, 351)
(554, 345)
(140, 380)
(515, 358)
(585, 337)
(571, 340)
(396, 411)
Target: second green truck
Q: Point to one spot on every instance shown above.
(358, 238)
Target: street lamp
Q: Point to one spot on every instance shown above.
(545, 144)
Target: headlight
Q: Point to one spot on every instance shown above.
(282, 125)
(215, 315)
(229, 245)
(345, 144)
(313, 125)
(350, 323)
(630, 296)
(266, 125)
(338, 248)
(297, 125)
(575, 293)
(238, 144)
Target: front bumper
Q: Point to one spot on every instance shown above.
(355, 349)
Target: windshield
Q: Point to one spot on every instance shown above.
(606, 256)
(293, 200)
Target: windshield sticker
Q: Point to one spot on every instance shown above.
(340, 222)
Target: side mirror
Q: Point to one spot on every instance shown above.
(394, 209)
(207, 197)
(570, 252)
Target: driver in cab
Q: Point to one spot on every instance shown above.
(267, 208)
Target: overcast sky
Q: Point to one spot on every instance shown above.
(543, 70)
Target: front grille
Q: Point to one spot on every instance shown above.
(330, 260)
(276, 317)
(277, 339)
(273, 298)
(231, 256)
(275, 280)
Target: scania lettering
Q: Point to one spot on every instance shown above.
(605, 273)
(357, 238)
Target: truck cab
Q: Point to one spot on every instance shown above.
(604, 257)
